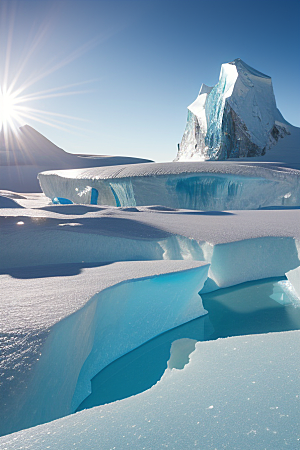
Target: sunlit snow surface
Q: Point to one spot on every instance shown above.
(237, 393)
(55, 259)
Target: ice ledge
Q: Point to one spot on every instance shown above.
(113, 322)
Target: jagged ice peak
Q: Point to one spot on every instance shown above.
(235, 118)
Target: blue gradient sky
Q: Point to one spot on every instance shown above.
(148, 59)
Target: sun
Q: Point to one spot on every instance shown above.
(8, 113)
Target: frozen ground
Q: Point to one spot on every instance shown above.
(82, 285)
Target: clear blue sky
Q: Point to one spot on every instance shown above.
(146, 59)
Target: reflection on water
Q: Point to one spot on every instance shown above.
(250, 308)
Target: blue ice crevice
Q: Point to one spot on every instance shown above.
(112, 323)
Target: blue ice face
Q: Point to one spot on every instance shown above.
(61, 201)
(94, 196)
(214, 115)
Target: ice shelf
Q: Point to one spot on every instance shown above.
(198, 186)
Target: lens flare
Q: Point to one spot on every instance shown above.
(8, 113)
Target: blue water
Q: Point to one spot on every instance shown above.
(249, 308)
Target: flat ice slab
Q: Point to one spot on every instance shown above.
(197, 185)
(230, 241)
(238, 393)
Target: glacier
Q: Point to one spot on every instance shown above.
(190, 185)
(236, 118)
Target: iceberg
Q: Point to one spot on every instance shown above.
(204, 186)
(236, 118)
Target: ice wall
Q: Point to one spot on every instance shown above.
(294, 278)
(238, 118)
(112, 323)
(200, 188)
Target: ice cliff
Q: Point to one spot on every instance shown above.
(236, 118)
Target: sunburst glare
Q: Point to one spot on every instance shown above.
(8, 113)
(18, 98)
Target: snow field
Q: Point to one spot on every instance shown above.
(237, 393)
(130, 236)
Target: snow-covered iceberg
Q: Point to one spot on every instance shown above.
(191, 185)
(236, 118)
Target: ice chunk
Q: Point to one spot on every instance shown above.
(180, 353)
(294, 278)
(61, 201)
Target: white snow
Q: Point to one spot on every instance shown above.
(81, 285)
(236, 393)
(76, 233)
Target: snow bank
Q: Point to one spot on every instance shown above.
(239, 392)
(199, 186)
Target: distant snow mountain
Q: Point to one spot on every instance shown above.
(236, 118)
(26, 152)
